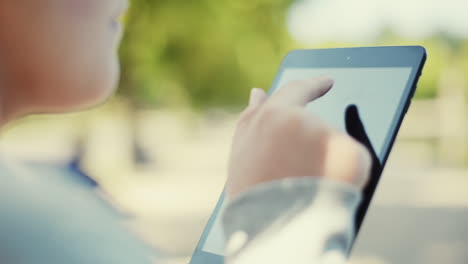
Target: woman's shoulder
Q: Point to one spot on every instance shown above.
(43, 191)
(19, 177)
(45, 211)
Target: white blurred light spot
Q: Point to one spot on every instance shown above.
(237, 241)
(312, 21)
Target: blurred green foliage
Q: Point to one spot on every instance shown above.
(201, 53)
(209, 53)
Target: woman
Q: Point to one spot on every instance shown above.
(61, 55)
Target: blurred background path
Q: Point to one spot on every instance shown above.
(418, 215)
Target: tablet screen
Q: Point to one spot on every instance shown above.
(377, 92)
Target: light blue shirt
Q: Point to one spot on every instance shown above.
(47, 217)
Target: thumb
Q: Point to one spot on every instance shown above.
(257, 97)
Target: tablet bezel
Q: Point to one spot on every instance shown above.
(360, 57)
(363, 57)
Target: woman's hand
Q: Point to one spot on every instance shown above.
(277, 138)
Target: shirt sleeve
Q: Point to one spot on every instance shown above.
(297, 220)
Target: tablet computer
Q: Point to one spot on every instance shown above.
(380, 81)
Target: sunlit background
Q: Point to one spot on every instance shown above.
(159, 148)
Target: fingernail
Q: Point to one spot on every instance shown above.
(327, 81)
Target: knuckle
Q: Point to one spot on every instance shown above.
(272, 110)
(247, 115)
(319, 127)
(281, 120)
(290, 121)
(294, 119)
(269, 113)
